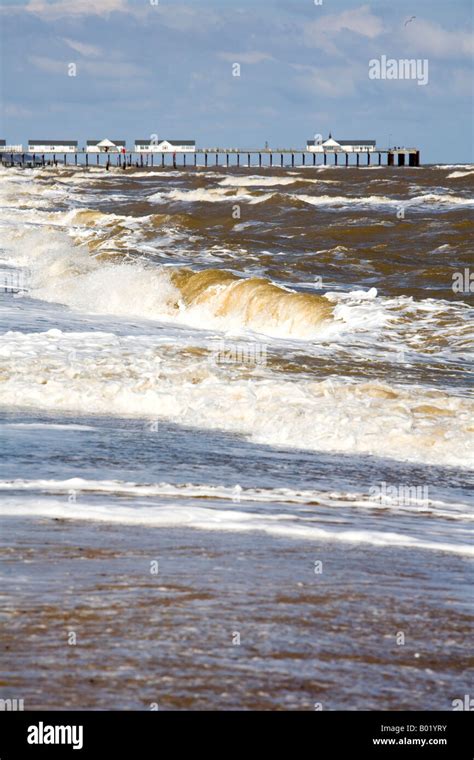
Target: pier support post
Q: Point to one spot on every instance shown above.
(358, 160)
(141, 159)
(389, 158)
(64, 159)
(151, 158)
(271, 159)
(87, 159)
(248, 160)
(129, 159)
(227, 160)
(401, 159)
(368, 158)
(217, 159)
(281, 160)
(238, 159)
(260, 159)
(417, 158)
(335, 158)
(75, 159)
(314, 159)
(303, 156)
(205, 159)
(325, 158)
(162, 159)
(347, 159)
(380, 159)
(195, 159)
(97, 160)
(292, 159)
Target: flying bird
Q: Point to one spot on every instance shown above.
(410, 19)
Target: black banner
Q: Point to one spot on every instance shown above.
(151, 734)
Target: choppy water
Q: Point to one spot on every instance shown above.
(271, 363)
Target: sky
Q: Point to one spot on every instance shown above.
(239, 73)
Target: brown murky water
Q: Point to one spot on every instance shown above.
(238, 375)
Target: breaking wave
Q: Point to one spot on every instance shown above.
(63, 273)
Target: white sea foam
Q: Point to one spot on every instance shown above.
(212, 195)
(458, 175)
(100, 373)
(411, 503)
(381, 200)
(45, 426)
(256, 181)
(283, 525)
(453, 166)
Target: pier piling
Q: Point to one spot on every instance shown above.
(401, 156)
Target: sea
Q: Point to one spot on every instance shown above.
(236, 437)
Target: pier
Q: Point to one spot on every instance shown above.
(208, 157)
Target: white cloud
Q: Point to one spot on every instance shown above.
(60, 8)
(83, 48)
(431, 39)
(250, 57)
(17, 110)
(329, 81)
(89, 51)
(99, 69)
(322, 32)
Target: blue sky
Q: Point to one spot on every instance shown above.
(165, 67)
